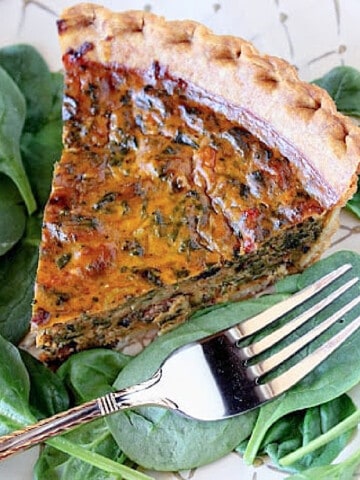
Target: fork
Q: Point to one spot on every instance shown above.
(226, 377)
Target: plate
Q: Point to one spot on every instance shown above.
(314, 35)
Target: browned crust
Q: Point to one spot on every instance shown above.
(262, 92)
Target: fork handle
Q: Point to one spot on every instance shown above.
(26, 437)
(62, 422)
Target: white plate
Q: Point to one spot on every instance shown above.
(314, 35)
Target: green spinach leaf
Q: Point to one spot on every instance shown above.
(17, 273)
(14, 387)
(343, 85)
(42, 147)
(100, 365)
(300, 427)
(48, 394)
(12, 215)
(344, 470)
(346, 425)
(30, 72)
(12, 117)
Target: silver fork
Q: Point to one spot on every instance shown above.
(225, 378)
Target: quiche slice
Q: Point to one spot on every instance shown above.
(195, 171)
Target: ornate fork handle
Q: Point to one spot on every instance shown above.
(64, 421)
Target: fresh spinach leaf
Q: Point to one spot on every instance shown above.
(14, 387)
(346, 425)
(328, 381)
(40, 151)
(300, 427)
(42, 148)
(30, 72)
(344, 470)
(12, 117)
(41, 128)
(318, 420)
(17, 273)
(12, 215)
(343, 85)
(100, 365)
(48, 394)
(57, 87)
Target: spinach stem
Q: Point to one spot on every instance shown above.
(340, 428)
(99, 461)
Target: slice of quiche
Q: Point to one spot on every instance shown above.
(195, 171)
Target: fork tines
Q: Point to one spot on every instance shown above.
(294, 374)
